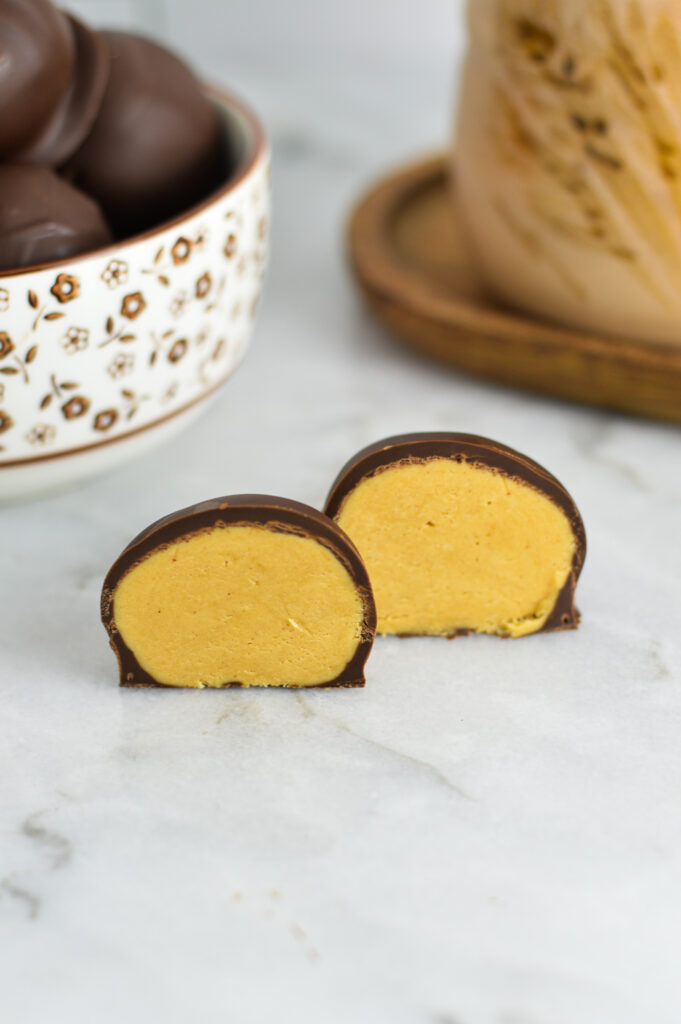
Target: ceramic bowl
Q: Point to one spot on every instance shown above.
(105, 355)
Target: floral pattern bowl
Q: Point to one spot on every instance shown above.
(105, 355)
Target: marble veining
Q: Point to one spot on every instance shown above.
(432, 771)
(55, 846)
(29, 900)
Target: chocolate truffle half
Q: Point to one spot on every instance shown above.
(155, 148)
(248, 590)
(43, 218)
(37, 53)
(461, 535)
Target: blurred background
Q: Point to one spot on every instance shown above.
(252, 31)
(291, 57)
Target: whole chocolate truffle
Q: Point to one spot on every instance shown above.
(155, 148)
(75, 115)
(43, 218)
(37, 54)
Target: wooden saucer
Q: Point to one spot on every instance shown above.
(409, 257)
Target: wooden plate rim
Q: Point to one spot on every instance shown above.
(374, 263)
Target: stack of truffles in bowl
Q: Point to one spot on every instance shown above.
(133, 234)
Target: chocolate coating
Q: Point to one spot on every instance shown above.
(75, 115)
(37, 53)
(414, 448)
(155, 148)
(252, 509)
(43, 218)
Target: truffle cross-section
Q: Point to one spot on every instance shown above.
(461, 535)
(248, 590)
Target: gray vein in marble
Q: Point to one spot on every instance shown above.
(58, 847)
(590, 445)
(29, 899)
(662, 670)
(425, 766)
(83, 579)
(239, 711)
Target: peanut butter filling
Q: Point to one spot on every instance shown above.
(240, 603)
(455, 546)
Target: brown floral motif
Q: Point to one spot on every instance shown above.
(218, 350)
(133, 305)
(178, 349)
(132, 402)
(57, 389)
(65, 288)
(41, 433)
(204, 285)
(4, 300)
(158, 268)
(181, 251)
(157, 345)
(121, 366)
(115, 273)
(200, 238)
(20, 366)
(75, 407)
(112, 334)
(6, 421)
(179, 304)
(6, 344)
(229, 248)
(105, 419)
(262, 229)
(76, 339)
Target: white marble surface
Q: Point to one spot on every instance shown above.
(489, 833)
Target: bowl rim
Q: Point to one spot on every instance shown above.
(257, 151)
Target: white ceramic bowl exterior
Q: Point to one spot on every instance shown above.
(98, 350)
